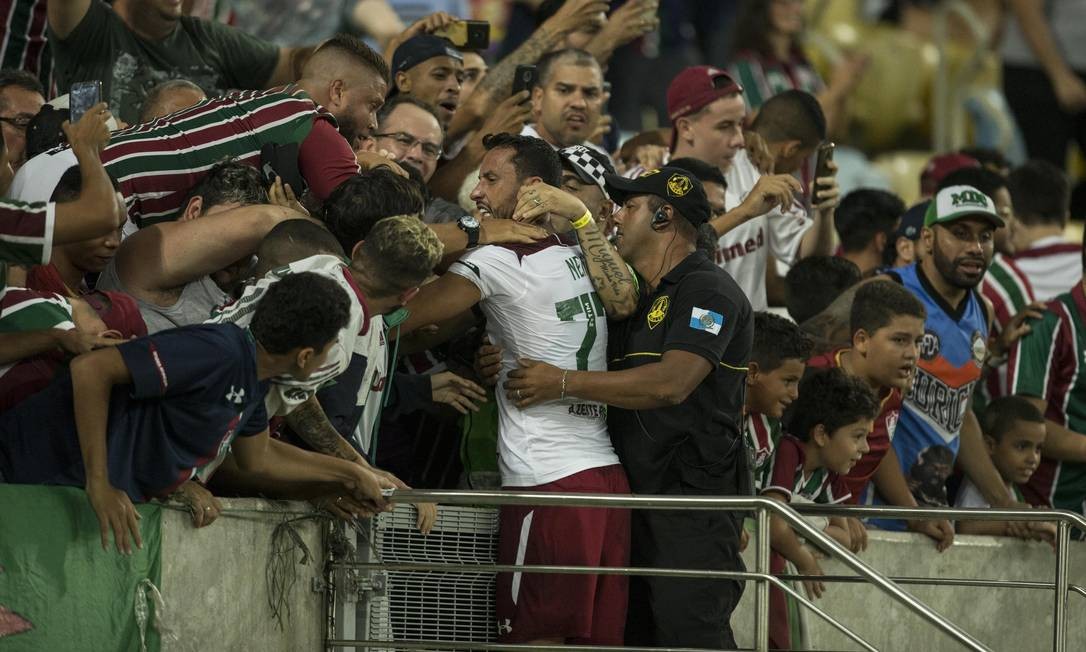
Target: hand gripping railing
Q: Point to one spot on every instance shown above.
(763, 508)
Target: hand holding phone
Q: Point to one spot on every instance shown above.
(825, 155)
(81, 97)
(525, 78)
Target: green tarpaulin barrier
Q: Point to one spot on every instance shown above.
(58, 589)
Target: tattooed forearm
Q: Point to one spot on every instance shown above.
(499, 79)
(309, 422)
(609, 273)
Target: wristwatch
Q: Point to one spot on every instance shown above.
(470, 225)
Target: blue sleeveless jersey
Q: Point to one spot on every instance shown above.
(951, 357)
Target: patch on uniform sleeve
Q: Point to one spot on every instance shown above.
(706, 320)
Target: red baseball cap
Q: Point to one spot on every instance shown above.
(940, 166)
(697, 86)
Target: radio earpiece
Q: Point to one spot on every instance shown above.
(659, 220)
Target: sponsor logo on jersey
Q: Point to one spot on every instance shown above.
(980, 348)
(658, 311)
(236, 395)
(727, 251)
(589, 410)
(929, 346)
(941, 403)
(891, 423)
(295, 394)
(678, 185)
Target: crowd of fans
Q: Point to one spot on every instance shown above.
(249, 265)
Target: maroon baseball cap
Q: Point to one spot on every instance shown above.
(940, 166)
(119, 312)
(697, 86)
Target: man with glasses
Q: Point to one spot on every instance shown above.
(410, 130)
(21, 97)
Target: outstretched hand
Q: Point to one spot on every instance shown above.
(459, 393)
(115, 513)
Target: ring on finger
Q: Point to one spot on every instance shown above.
(207, 509)
(518, 394)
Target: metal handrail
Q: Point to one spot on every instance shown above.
(763, 507)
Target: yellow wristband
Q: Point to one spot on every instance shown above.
(582, 221)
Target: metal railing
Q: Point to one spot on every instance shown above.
(763, 508)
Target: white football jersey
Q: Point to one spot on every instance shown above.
(743, 251)
(540, 304)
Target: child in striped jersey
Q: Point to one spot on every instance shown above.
(833, 414)
(777, 362)
(1014, 432)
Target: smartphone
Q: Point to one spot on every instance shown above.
(467, 34)
(525, 78)
(81, 97)
(825, 155)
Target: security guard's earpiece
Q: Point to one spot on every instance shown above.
(659, 220)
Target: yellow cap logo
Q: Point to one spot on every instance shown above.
(678, 185)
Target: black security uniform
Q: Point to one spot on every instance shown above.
(693, 448)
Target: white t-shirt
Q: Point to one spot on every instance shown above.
(530, 130)
(744, 251)
(540, 304)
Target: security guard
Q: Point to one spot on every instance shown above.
(676, 388)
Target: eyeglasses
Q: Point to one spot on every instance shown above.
(21, 121)
(430, 150)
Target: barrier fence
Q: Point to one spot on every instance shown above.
(762, 508)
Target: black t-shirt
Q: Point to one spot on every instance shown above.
(695, 446)
(214, 56)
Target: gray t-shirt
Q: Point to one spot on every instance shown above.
(215, 57)
(194, 306)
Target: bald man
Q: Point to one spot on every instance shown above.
(168, 97)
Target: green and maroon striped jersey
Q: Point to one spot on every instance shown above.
(158, 162)
(26, 232)
(1009, 290)
(1048, 363)
(23, 45)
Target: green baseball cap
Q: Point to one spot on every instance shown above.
(957, 202)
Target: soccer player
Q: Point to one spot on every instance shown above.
(133, 422)
(540, 303)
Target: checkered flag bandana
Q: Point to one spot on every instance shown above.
(587, 166)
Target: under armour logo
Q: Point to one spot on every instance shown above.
(506, 627)
(236, 395)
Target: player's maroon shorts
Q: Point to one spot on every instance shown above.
(588, 609)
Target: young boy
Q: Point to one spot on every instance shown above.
(1014, 431)
(777, 361)
(827, 437)
(886, 323)
(134, 421)
(829, 426)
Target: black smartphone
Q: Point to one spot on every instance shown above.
(81, 97)
(467, 34)
(825, 155)
(525, 78)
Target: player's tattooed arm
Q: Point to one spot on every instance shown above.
(610, 275)
(309, 422)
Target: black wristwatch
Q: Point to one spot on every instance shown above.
(470, 225)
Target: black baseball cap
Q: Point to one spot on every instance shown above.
(913, 221)
(420, 48)
(676, 186)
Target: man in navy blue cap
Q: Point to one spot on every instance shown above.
(675, 385)
(430, 69)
